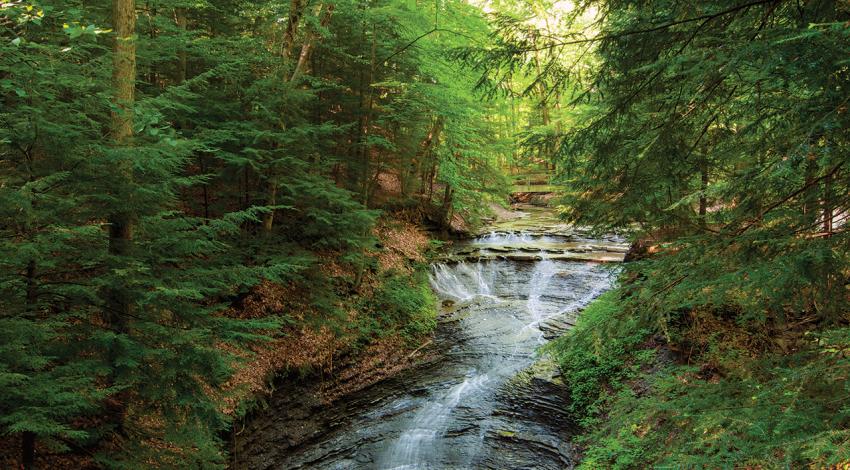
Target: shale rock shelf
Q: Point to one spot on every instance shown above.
(535, 234)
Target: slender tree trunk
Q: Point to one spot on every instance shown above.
(514, 117)
(124, 87)
(28, 437)
(703, 200)
(123, 70)
(310, 40)
(426, 148)
(182, 56)
(205, 187)
(121, 221)
(559, 130)
(367, 154)
(827, 205)
(446, 210)
(432, 175)
(246, 197)
(544, 116)
(268, 217)
(296, 11)
(810, 198)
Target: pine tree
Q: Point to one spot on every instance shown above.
(163, 159)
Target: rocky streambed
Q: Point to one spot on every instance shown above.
(484, 398)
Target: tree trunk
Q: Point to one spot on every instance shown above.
(310, 40)
(123, 70)
(367, 154)
(124, 85)
(810, 198)
(426, 148)
(182, 57)
(432, 175)
(28, 437)
(268, 217)
(703, 201)
(121, 221)
(827, 205)
(296, 10)
(446, 210)
(295, 13)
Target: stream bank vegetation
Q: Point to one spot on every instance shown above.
(717, 134)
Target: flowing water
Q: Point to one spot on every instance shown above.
(469, 409)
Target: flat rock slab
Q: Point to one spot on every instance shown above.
(592, 257)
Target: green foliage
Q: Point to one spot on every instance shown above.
(714, 133)
(403, 303)
(593, 355)
(639, 409)
(245, 164)
(717, 152)
(774, 412)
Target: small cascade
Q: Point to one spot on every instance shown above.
(523, 238)
(503, 238)
(544, 271)
(429, 424)
(462, 281)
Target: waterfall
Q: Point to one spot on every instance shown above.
(544, 271)
(497, 238)
(429, 424)
(462, 281)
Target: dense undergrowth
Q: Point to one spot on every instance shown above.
(403, 303)
(390, 310)
(710, 394)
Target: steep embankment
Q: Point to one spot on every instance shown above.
(707, 393)
(379, 326)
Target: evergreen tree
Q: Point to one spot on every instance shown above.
(159, 160)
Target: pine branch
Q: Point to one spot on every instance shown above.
(706, 18)
(787, 198)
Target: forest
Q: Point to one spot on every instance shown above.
(357, 233)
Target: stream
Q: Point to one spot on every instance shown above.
(488, 400)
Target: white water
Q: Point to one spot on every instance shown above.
(515, 238)
(463, 281)
(505, 238)
(415, 444)
(544, 271)
(422, 445)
